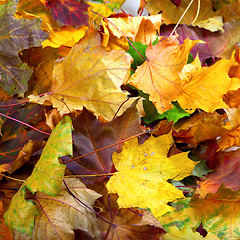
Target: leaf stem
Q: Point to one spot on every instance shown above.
(119, 108)
(16, 120)
(15, 104)
(122, 34)
(15, 179)
(100, 149)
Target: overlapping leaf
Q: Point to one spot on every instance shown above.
(143, 171)
(89, 76)
(70, 215)
(15, 135)
(171, 13)
(139, 29)
(90, 135)
(159, 75)
(131, 224)
(17, 34)
(51, 183)
(59, 144)
(225, 166)
(69, 12)
(219, 213)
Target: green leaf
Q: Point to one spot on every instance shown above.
(172, 115)
(21, 213)
(137, 59)
(151, 112)
(176, 113)
(48, 173)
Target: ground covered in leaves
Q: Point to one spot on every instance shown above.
(115, 126)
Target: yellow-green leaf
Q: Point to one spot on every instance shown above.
(48, 173)
(21, 213)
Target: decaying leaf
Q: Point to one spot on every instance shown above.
(21, 213)
(186, 233)
(17, 34)
(89, 76)
(130, 224)
(90, 134)
(218, 212)
(139, 29)
(59, 144)
(70, 215)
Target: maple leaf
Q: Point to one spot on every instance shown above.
(186, 233)
(90, 134)
(139, 29)
(131, 224)
(69, 12)
(200, 127)
(66, 36)
(226, 170)
(218, 213)
(143, 171)
(17, 34)
(97, 87)
(71, 214)
(15, 136)
(159, 75)
(209, 94)
(171, 13)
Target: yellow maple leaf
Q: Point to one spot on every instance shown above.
(143, 171)
(159, 75)
(139, 29)
(88, 76)
(100, 8)
(66, 36)
(207, 86)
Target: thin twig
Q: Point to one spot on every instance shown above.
(181, 18)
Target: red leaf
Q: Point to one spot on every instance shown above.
(14, 134)
(69, 12)
(226, 166)
(90, 134)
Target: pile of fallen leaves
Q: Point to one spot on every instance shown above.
(119, 127)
